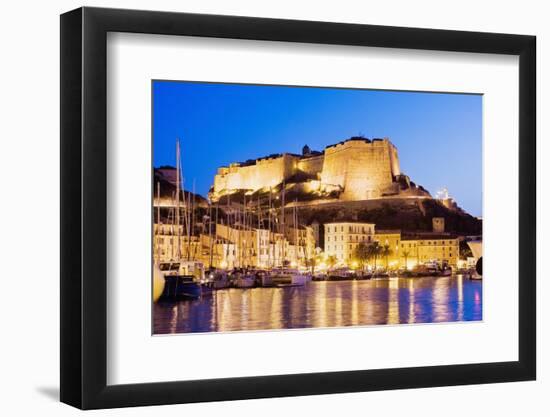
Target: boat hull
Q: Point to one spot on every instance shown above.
(158, 283)
(245, 282)
(179, 287)
(289, 280)
(221, 284)
(265, 281)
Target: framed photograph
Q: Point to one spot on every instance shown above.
(257, 208)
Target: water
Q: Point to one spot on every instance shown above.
(326, 304)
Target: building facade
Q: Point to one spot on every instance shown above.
(342, 238)
(424, 249)
(389, 241)
(396, 251)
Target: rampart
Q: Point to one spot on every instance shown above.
(360, 168)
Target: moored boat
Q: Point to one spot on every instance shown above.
(182, 280)
(243, 280)
(158, 283)
(264, 279)
(289, 279)
(363, 276)
(219, 280)
(446, 272)
(319, 277)
(180, 287)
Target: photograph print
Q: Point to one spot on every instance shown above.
(294, 207)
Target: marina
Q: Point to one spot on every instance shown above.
(335, 235)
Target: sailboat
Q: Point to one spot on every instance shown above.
(158, 283)
(244, 279)
(158, 276)
(286, 277)
(182, 276)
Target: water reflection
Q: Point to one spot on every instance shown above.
(326, 304)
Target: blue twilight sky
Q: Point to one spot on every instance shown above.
(438, 136)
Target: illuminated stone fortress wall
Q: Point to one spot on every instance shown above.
(358, 167)
(363, 168)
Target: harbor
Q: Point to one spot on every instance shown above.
(246, 239)
(324, 304)
(263, 235)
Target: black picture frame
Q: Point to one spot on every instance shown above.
(84, 207)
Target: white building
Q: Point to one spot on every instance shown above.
(342, 238)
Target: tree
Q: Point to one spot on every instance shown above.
(362, 255)
(386, 252)
(375, 250)
(405, 255)
(331, 261)
(312, 263)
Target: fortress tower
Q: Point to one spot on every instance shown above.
(363, 168)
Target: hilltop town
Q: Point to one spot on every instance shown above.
(315, 208)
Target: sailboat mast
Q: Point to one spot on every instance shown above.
(157, 248)
(210, 235)
(178, 172)
(245, 235)
(284, 223)
(269, 230)
(189, 225)
(216, 235)
(295, 234)
(193, 220)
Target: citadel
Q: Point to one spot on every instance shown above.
(330, 196)
(355, 169)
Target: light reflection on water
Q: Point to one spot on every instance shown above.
(326, 304)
